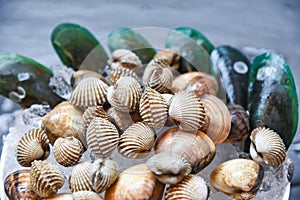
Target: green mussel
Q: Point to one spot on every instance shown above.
(78, 48)
(25, 81)
(231, 67)
(126, 38)
(272, 96)
(194, 49)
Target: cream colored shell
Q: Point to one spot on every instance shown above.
(86, 195)
(80, 178)
(117, 71)
(127, 58)
(94, 111)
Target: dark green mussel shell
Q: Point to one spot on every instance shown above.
(25, 81)
(126, 38)
(194, 49)
(231, 67)
(78, 48)
(272, 97)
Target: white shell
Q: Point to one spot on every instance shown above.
(80, 178)
(86, 195)
(117, 71)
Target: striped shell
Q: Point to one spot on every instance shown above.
(82, 74)
(187, 111)
(127, 58)
(103, 174)
(218, 123)
(137, 140)
(118, 71)
(90, 91)
(17, 186)
(153, 108)
(60, 197)
(158, 76)
(46, 178)
(191, 188)
(125, 95)
(80, 178)
(169, 168)
(86, 195)
(168, 98)
(34, 145)
(91, 112)
(267, 146)
(172, 56)
(68, 151)
(102, 137)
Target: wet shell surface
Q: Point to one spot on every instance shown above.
(192, 188)
(82, 74)
(117, 71)
(172, 56)
(169, 168)
(127, 58)
(94, 111)
(17, 186)
(102, 137)
(136, 183)
(34, 145)
(125, 95)
(197, 148)
(239, 178)
(68, 151)
(86, 195)
(218, 123)
(90, 91)
(267, 146)
(103, 174)
(187, 111)
(137, 140)
(46, 178)
(80, 178)
(153, 108)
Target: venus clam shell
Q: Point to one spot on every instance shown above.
(192, 188)
(80, 178)
(267, 146)
(46, 179)
(34, 145)
(117, 71)
(169, 168)
(137, 140)
(127, 58)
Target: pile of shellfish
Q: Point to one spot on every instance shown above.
(165, 108)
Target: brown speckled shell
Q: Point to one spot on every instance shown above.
(80, 178)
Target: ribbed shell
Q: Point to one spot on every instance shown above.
(169, 168)
(153, 108)
(187, 111)
(82, 74)
(102, 137)
(127, 58)
(191, 188)
(168, 98)
(117, 71)
(172, 56)
(104, 173)
(90, 91)
(45, 178)
(94, 111)
(34, 145)
(80, 178)
(86, 195)
(17, 186)
(158, 76)
(60, 197)
(68, 151)
(267, 146)
(125, 95)
(137, 140)
(218, 123)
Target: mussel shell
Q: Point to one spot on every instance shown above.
(78, 48)
(197, 148)
(17, 186)
(25, 81)
(135, 183)
(80, 178)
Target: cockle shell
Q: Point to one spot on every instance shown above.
(267, 146)
(102, 137)
(153, 108)
(46, 178)
(167, 98)
(158, 76)
(197, 148)
(68, 151)
(34, 145)
(60, 197)
(239, 178)
(82, 74)
(63, 121)
(127, 58)
(125, 95)
(172, 56)
(17, 186)
(218, 124)
(86, 195)
(94, 111)
(103, 174)
(198, 82)
(137, 140)
(169, 168)
(192, 187)
(187, 111)
(136, 183)
(117, 71)
(80, 178)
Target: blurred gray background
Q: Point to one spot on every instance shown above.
(25, 28)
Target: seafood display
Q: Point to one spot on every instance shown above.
(160, 112)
